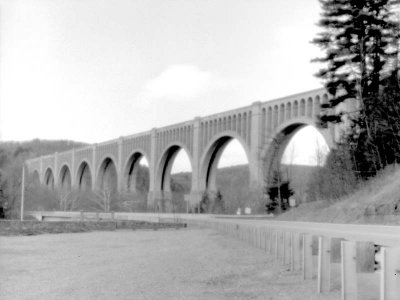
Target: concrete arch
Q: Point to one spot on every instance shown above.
(275, 117)
(211, 156)
(295, 109)
(107, 175)
(309, 108)
(317, 105)
(288, 111)
(282, 117)
(302, 108)
(64, 178)
(49, 178)
(83, 177)
(165, 163)
(35, 178)
(273, 152)
(130, 169)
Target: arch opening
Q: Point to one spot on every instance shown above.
(136, 183)
(297, 151)
(107, 176)
(35, 178)
(225, 177)
(174, 179)
(49, 179)
(84, 177)
(65, 179)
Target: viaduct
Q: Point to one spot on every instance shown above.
(262, 128)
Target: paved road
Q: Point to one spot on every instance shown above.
(164, 264)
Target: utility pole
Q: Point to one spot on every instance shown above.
(23, 192)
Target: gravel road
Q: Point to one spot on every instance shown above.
(163, 264)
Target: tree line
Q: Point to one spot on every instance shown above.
(360, 41)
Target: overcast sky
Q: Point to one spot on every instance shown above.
(94, 70)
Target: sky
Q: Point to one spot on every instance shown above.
(94, 70)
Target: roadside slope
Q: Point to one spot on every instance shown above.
(377, 201)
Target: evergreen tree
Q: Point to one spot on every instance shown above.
(360, 44)
(360, 40)
(379, 146)
(279, 193)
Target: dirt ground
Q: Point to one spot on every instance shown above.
(163, 264)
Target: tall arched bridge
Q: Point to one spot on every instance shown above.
(263, 129)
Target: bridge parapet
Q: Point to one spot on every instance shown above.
(181, 133)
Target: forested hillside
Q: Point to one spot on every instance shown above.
(12, 156)
(38, 147)
(233, 184)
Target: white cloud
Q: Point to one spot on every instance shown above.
(181, 81)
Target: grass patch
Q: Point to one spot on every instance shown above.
(16, 227)
(376, 201)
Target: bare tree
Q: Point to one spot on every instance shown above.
(68, 200)
(319, 153)
(103, 199)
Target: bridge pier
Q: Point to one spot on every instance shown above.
(255, 160)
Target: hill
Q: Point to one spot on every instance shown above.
(12, 157)
(38, 147)
(376, 201)
(233, 183)
(299, 177)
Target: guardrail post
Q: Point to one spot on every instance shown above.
(324, 264)
(266, 239)
(295, 262)
(390, 274)
(271, 242)
(349, 270)
(307, 257)
(282, 247)
(336, 250)
(112, 215)
(288, 246)
(82, 217)
(279, 246)
(276, 248)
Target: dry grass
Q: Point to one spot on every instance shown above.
(376, 201)
(15, 227)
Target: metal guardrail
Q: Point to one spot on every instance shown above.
(293, 243)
